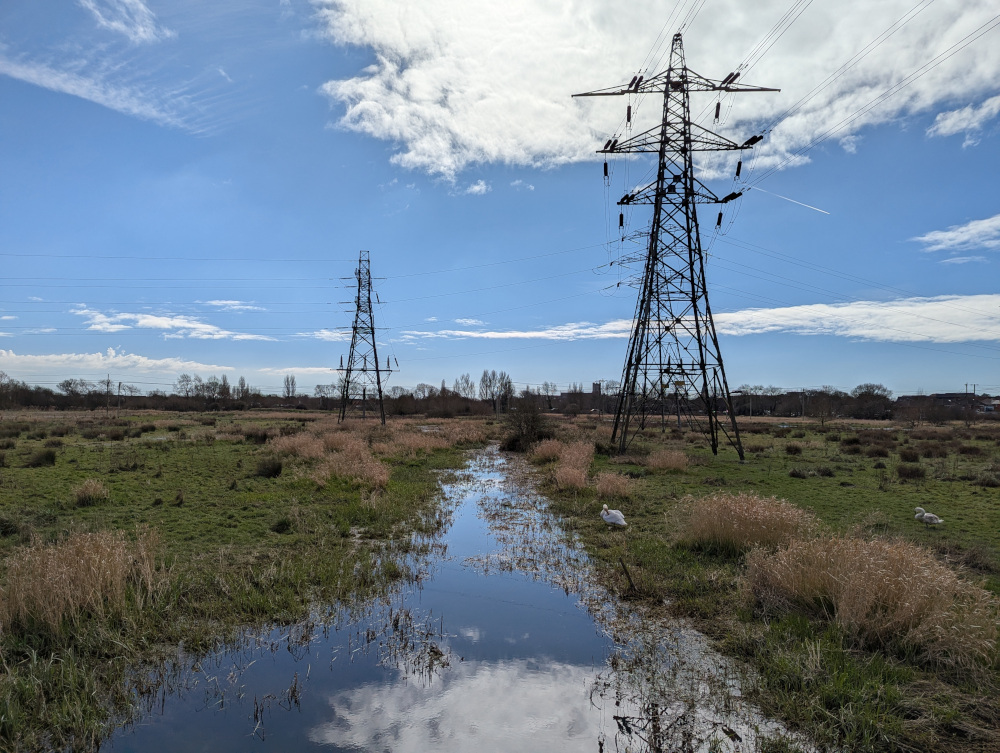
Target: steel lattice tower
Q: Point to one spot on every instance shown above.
(673, 351)
(362, 379)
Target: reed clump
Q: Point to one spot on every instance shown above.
(613, 486)
(884, 594)
(574, 463)
(50, 586)
(90, 492)
(547, 451)
(667, 460)
(735, 522)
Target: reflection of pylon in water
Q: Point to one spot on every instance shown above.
(361, 381)
(673, 346)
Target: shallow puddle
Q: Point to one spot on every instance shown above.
(504, 644)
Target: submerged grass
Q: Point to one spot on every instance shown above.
(91, 606)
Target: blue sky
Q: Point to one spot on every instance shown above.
(184, 186)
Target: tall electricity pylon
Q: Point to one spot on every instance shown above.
(361, 384)
(673, 347)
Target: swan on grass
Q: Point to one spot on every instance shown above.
(927, 518)
(613, 517)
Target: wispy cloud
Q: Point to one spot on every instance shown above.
(101, 362)
(234, 306)
(172, 326)
(479, 188)
(131, 18)
(470, 322)
(967, 120)
(941, 319)
(978, 234)
(520, 184)
(962, 259)
(327, 335)
(123, 99)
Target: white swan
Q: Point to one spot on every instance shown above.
(613, 517)
(927, 518)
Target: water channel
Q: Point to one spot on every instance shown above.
(504, 643)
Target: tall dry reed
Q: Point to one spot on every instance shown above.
(547, 450)
(667, 460)
(613, 486)
(49, 585)
(733, 523)
(882, 593)
(574, 463)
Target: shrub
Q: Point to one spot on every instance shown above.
(613, 486)
(525, 425)
(908, 455)
(269, 467)
(8, 444)
(281, 525)
(970, 449)
(86, 573)
(733, 523)
(877, 451)
(90, 492)
(667, 460)
(252, 434)
(909, 471)
(882, 594)
(42, 458)
(798, 473)
(824, 470)
(793, 448)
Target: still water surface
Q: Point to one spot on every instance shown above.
(504, 644)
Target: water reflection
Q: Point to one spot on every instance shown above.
(505, 643)
(486, 706)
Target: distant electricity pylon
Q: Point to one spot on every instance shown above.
(361, 385)
(673, 351)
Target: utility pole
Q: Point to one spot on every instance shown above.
(673, 337)
(363, 377)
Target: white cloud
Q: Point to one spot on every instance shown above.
(572, 331)
(123, 99)
(965, 120)
(327, 335)
(7, 318)
(173, 326)
(111, 360)
(977, 234)
(941, 319)
(132, 18)
(962, 259)
(455, 83)
(470, 322)
(234, 306)
(519, 184)
(329, 370)
(479, 188)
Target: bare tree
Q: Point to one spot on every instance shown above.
(465, 387)
(289, 386)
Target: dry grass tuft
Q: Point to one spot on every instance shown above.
(735, 522)
(613, 486)
(48, 585)
(356, 463)
(570, 478)
(882, 593)
(577, 455)
(90, 492)
(667, 460)
(547, 450)
(306, 446)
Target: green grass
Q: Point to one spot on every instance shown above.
(238, 549)
(803, 670)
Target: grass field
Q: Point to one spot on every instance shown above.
(810, 660)
(122, 537)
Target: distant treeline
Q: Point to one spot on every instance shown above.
(494, 393)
